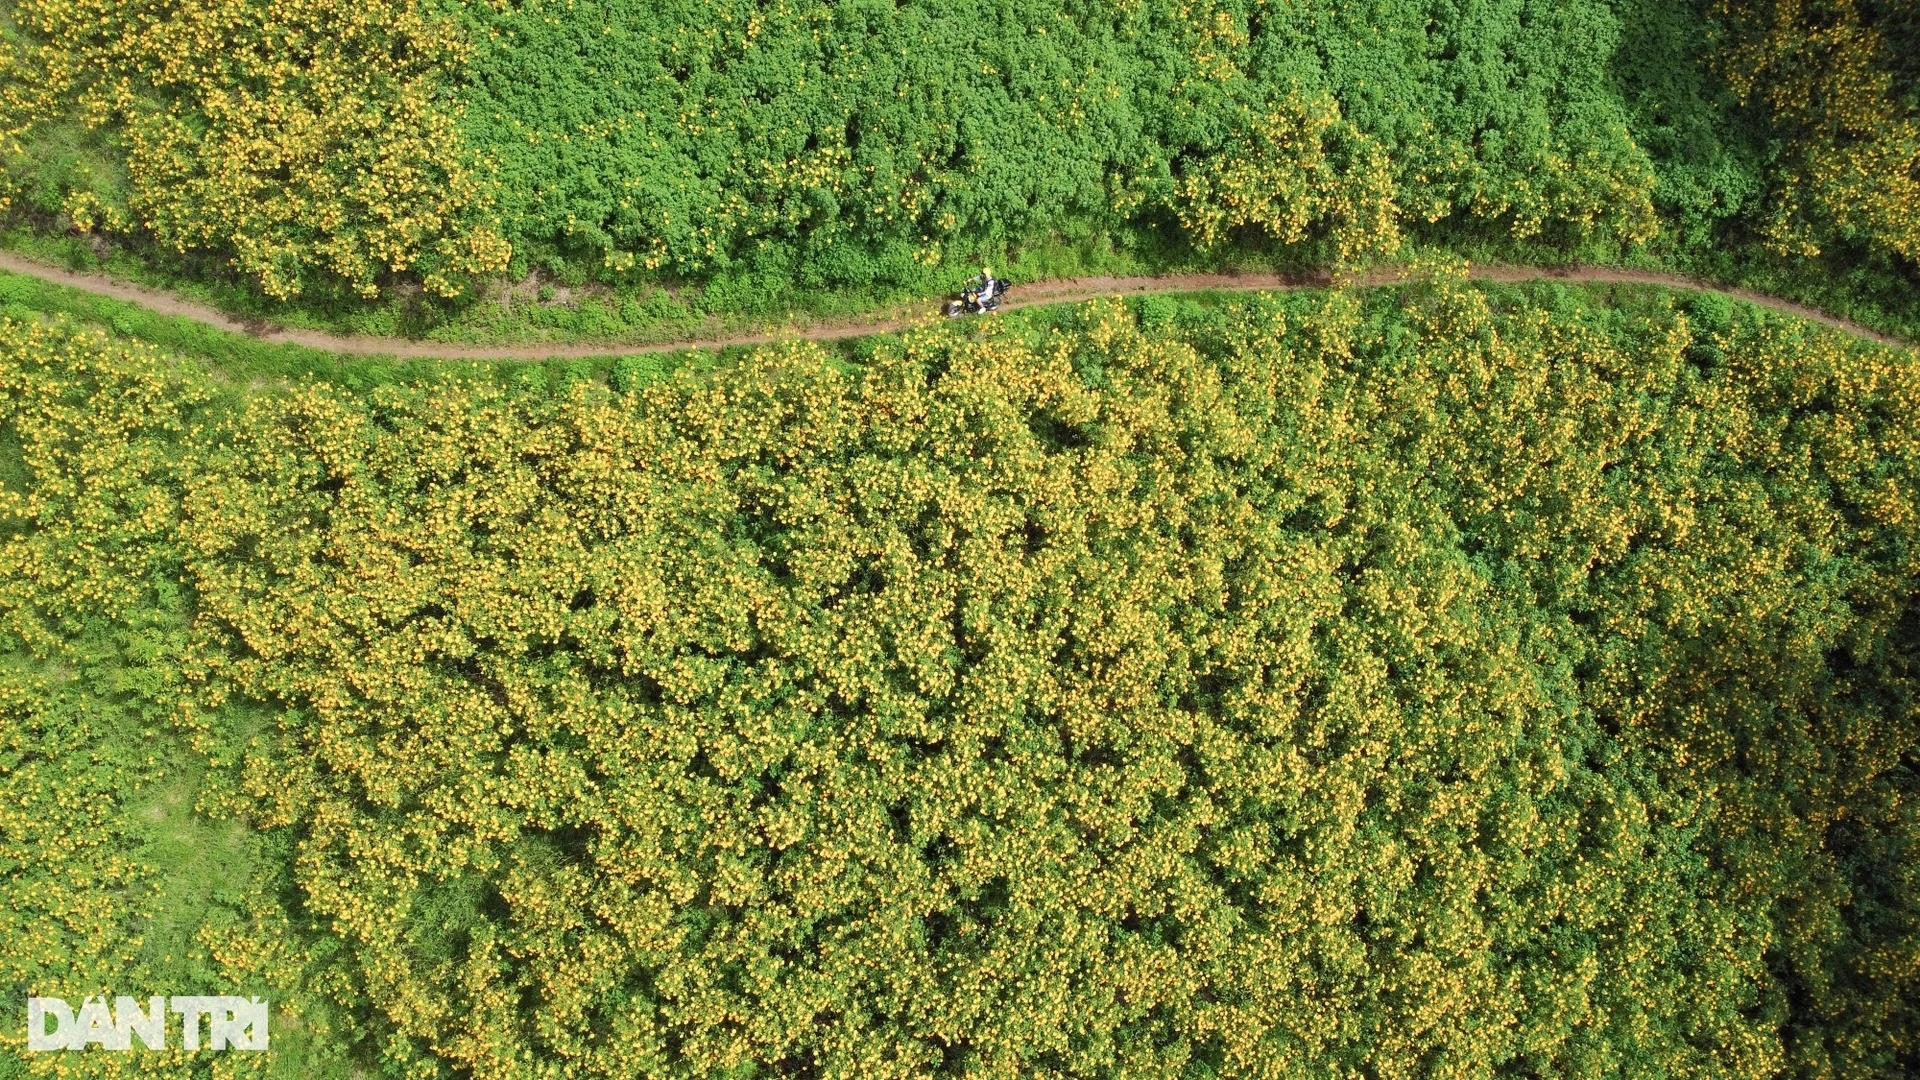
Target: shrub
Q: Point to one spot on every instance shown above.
(310, 138)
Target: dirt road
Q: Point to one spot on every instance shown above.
(1024, 295)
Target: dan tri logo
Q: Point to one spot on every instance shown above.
(233, 1023)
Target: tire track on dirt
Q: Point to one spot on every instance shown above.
(1067, 290)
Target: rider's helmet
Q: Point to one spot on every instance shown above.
(987, 272)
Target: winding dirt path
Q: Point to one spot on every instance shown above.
(1025, 295)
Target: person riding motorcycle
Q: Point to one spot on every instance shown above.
(986, 288)
(982, 293)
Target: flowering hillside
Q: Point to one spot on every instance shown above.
(1425, 684)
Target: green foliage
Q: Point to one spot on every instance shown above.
(766, 146)
(1710, 169)
(1294, 167)
(109, 882)
(1836, 84)
(757, 158)
(1294, 687)
(303, 141)
(1441, 682)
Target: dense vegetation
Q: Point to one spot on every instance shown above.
(1838, 83)
(780, 153)
(1425, 682)
(302, 139)
(838, 145)
(109, 879)
(1416, 683)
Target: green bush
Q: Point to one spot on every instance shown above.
(774, 147)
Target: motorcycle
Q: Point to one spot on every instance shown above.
(978, 298)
